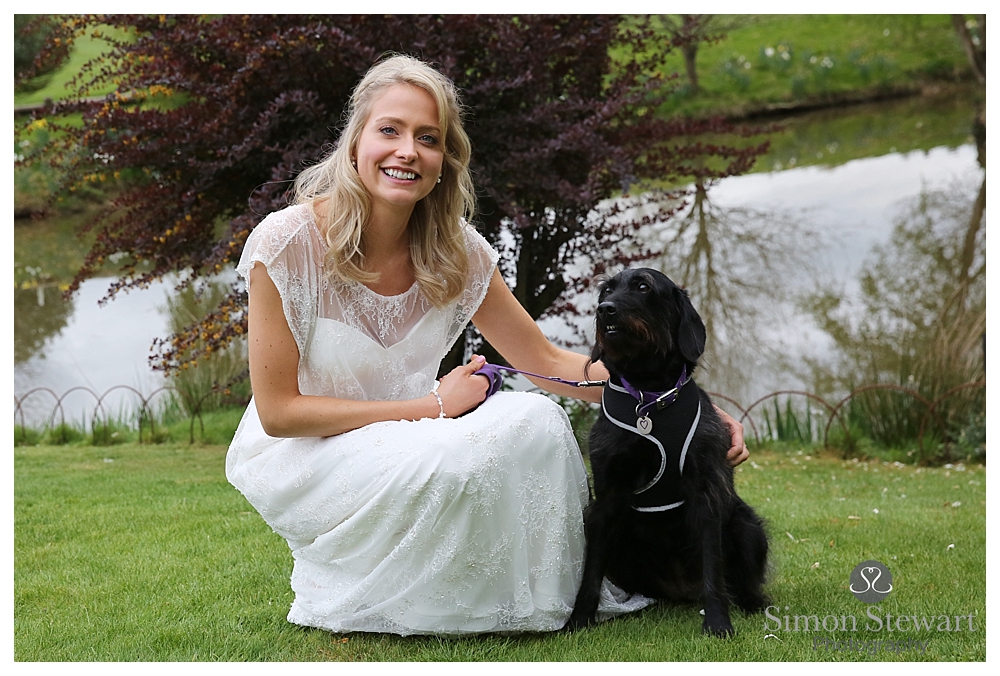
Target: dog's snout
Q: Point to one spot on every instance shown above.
(607, 309)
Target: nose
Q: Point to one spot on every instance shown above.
(407, 149)
(606, 309)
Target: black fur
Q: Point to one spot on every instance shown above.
(713, 548)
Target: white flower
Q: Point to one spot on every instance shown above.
(886, 32)
(769, 51)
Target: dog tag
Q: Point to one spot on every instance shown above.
(644, 425)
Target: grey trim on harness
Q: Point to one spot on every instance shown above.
(663, 453)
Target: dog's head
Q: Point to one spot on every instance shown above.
(646, 326)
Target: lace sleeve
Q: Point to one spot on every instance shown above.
(285, 244)
(482, 262)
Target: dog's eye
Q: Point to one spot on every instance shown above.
(643, 287)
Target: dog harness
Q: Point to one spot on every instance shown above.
(671, 427)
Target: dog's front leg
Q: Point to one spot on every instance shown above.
(601, 521)
(717, 621)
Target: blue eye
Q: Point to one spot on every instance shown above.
(387, 130)
(428, 139)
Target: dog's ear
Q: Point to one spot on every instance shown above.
(596, 353)
(691, 332)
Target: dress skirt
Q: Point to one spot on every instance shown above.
(437, 526)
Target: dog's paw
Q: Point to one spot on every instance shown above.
(754, 604)
(718, 628)
(579, 621)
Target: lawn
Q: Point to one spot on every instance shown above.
(774, 60)
(145, 553)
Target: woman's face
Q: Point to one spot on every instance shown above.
(401, 148)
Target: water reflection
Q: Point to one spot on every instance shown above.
(735, 262)
(39, 315)
(920, 319)
(754, 245)
(86, 345)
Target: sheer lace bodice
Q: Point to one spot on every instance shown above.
(388, 347)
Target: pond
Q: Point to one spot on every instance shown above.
(755, 252)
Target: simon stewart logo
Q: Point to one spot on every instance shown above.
(871, 581)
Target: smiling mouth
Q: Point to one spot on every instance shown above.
(610, 328)
(400, 175)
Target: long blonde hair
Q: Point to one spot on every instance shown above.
(437, 243)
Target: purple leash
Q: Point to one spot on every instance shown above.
(492, 373)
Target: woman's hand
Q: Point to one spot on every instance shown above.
(738, 452)
(462, 390)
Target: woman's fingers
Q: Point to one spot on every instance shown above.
(461, 390)
(738, 452)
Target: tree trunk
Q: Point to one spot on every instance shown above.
(977, 55)
(690, 52)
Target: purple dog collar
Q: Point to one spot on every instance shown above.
(658, 400)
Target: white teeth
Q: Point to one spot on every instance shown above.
(396, 173)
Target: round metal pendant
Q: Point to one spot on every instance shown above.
(644, 425)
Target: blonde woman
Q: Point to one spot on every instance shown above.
(401, 516)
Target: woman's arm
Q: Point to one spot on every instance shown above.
(285, 412)
(510, 329)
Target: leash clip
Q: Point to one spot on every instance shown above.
(592, 383)
(659, 401)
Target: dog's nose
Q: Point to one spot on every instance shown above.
(607, 309)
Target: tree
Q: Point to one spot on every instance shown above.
(972, 35)
(213, 117)
(688, 32)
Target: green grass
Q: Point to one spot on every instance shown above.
(139, 552)
(85, 48)
(866, 55)
(171, 425)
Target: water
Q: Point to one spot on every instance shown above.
(778, 237)
(775, 236)
(99, 348)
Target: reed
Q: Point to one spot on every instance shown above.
(220, 379)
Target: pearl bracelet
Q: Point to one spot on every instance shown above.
(438, 397)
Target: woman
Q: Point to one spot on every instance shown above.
(403, 517)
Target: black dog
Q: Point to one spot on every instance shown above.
(666, 521)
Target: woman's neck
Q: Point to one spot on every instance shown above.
(387, 252)
(387, 248)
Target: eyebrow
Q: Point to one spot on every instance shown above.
(402, 123)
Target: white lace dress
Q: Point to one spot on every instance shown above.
(439, 526)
